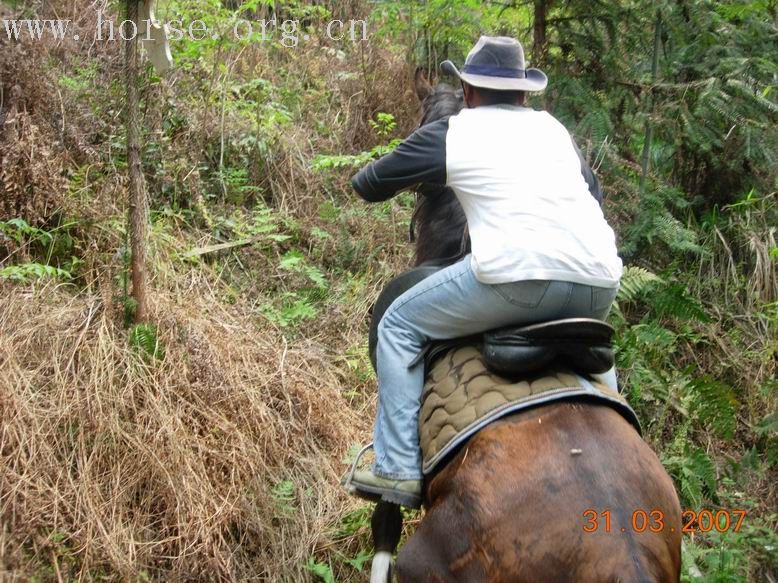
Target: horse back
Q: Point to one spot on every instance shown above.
(526, 500)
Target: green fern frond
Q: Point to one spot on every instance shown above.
(634, 282)
(598, 125)
(701, 467)
(670, 230)
(695, 474)
(673, 300)
(651, 336)
(714, 405)
(143, 338)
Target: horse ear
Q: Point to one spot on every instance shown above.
(423, 87)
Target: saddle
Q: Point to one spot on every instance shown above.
(583, 344)
(475, 380)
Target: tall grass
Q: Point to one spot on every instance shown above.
(120, 465)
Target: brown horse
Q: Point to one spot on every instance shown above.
(561, 492)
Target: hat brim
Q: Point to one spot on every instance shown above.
(535, 80)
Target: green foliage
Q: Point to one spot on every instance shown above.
(360, 560)
(664, 297)
(446, 28)
(357, 520)
(384, 125)
(264, 222)
(235, 185)
(292, 310)
(321, 570)
(358, 362)
(714, 405)
(81, 80)
(726, 557)
(673, 300)
(53, 248)
(655, 224)
(285, 498)
(295, 262)
(695, 475)
(143, 339)
(635, 282)
(323, 162)
(21, 232)
(28, 272)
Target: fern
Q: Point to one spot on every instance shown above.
(284, 495)
(143, 339)
(665, 298)
(694, 471)
(651, 336)
(383, 126)
(668, 229)
(634, 282)
(598, 125)
(323, 571)
(673, 300)
(713, 404)
(655, 224)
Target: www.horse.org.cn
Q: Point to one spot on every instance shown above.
(288, 33)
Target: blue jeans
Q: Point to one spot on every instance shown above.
(450, 304)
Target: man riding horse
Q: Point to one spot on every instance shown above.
(541, 248)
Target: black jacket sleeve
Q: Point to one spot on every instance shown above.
(420, 158)
(588, 174)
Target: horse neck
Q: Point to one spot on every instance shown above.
(441, 233)
(442, 227)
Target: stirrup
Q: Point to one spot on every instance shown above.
(347, 484)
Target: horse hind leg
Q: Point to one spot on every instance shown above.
(386, 526)
(442, 550)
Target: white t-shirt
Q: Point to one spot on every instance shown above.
(520, 179)
(530, 214)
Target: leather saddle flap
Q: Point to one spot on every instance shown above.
(583, 344)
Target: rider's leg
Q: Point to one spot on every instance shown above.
(450, 304)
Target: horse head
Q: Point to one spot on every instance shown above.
(438, 226)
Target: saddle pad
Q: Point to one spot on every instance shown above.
(461, 397)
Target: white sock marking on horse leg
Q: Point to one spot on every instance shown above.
(381, 564)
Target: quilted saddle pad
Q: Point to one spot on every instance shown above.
(461, 397)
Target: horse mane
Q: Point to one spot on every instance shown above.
(444, 101)
(439, 224)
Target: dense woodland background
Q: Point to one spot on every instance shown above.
(206, 443)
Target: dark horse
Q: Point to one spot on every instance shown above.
(514, 504)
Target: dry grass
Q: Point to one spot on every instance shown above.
(220, 461)
(115, 466)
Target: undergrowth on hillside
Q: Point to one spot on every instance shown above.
(208, 443)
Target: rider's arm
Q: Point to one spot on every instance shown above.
(420, 158)
(588, 174)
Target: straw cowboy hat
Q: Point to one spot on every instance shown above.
(497, 62)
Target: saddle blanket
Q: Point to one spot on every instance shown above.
(461, 397)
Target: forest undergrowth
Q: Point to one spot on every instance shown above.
(208, 442)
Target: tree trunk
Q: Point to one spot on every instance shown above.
(646, 157)
(137, 188)
(539, 39)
